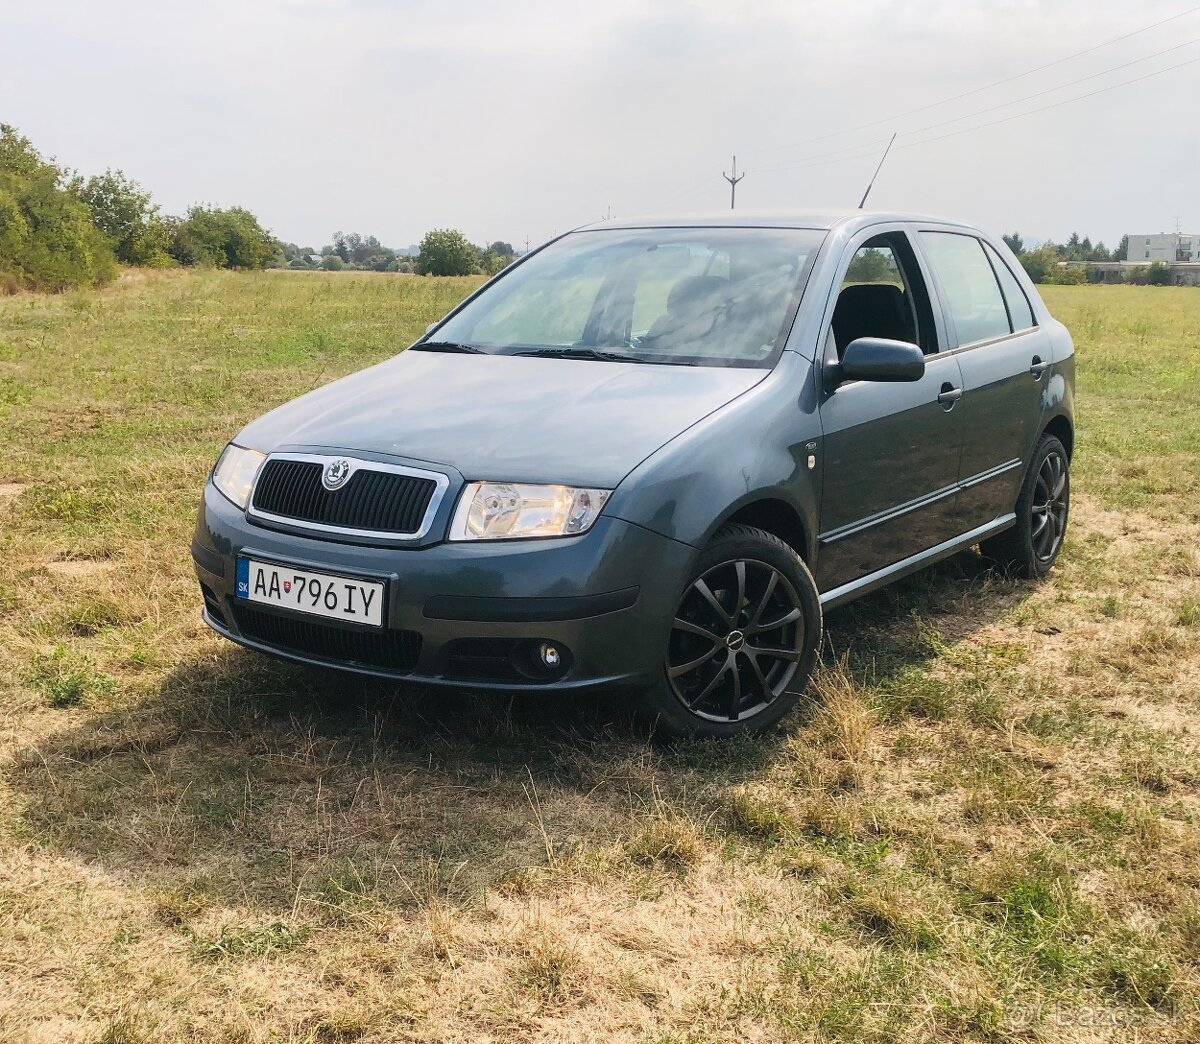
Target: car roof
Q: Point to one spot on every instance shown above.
(818, 219)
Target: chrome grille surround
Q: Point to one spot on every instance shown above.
(441, 484)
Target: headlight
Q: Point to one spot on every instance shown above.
(510, 510)
(235, 471)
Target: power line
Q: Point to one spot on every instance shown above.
(1053, 105)
(987, 86)
(824, 159)
(834, 156)
(1051, 90)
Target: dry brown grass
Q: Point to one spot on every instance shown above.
(983, 826)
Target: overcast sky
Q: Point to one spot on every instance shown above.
(520, 118)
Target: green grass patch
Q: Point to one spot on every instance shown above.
(980, 825)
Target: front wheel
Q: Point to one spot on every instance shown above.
(743, 641)
(1030, 547)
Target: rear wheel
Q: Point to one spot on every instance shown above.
(744, 638)
(1030, 547)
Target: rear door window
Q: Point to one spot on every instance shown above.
(969, 287)
(1018, 304)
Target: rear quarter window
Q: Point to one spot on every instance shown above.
(1018, 304)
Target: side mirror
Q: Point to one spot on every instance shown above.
(879, 359)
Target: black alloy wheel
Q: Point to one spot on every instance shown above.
(1048, 521)
(736, 641)
(743, 639)
(1030, 547)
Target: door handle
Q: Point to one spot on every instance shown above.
(1037, 367)
(948, 396)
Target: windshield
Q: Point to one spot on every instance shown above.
(686, 296)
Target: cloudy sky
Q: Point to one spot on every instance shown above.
(518, 119)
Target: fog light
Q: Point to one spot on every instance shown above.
(541, 659)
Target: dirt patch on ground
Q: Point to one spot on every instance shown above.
(10, 491)
(79, 567)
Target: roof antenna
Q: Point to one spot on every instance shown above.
(877, 170)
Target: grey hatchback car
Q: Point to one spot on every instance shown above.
(648, 455)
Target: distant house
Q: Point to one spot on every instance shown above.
(1179, 251)
(1168, 247)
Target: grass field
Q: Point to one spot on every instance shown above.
(983, 827)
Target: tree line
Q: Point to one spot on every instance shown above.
(442, 251)
(60, 230)
(1045, 263)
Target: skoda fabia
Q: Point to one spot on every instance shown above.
(648, 456)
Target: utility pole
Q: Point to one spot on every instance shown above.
(733, 179)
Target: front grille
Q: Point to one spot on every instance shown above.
(391, 650)
(379, 501)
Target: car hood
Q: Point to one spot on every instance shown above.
(510, 418)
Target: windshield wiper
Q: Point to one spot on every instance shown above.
(447, 346)
(583, 353)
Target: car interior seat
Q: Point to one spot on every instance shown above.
(692, 306)
(872, 310)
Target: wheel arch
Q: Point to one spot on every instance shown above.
(774, 516)
(1061, 428)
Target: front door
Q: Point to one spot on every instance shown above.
(891, 451)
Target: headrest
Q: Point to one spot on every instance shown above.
(871, 309)
(875, 298)
(688, 292)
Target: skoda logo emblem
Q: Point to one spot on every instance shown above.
(336, 473)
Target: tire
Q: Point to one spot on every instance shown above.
(744, 639)
(1030, 548)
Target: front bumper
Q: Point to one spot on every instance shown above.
(607, 597)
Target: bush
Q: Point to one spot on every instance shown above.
(47, 239)
(123, 213)
(333, 263)
(1068, 275)
(230, 238)
(491, 263)
(446, 252)
(1035, 265)
(1159, 274)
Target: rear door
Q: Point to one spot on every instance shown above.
(1003, 356)
(891, 451)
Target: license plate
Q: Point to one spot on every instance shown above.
(318, 594)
